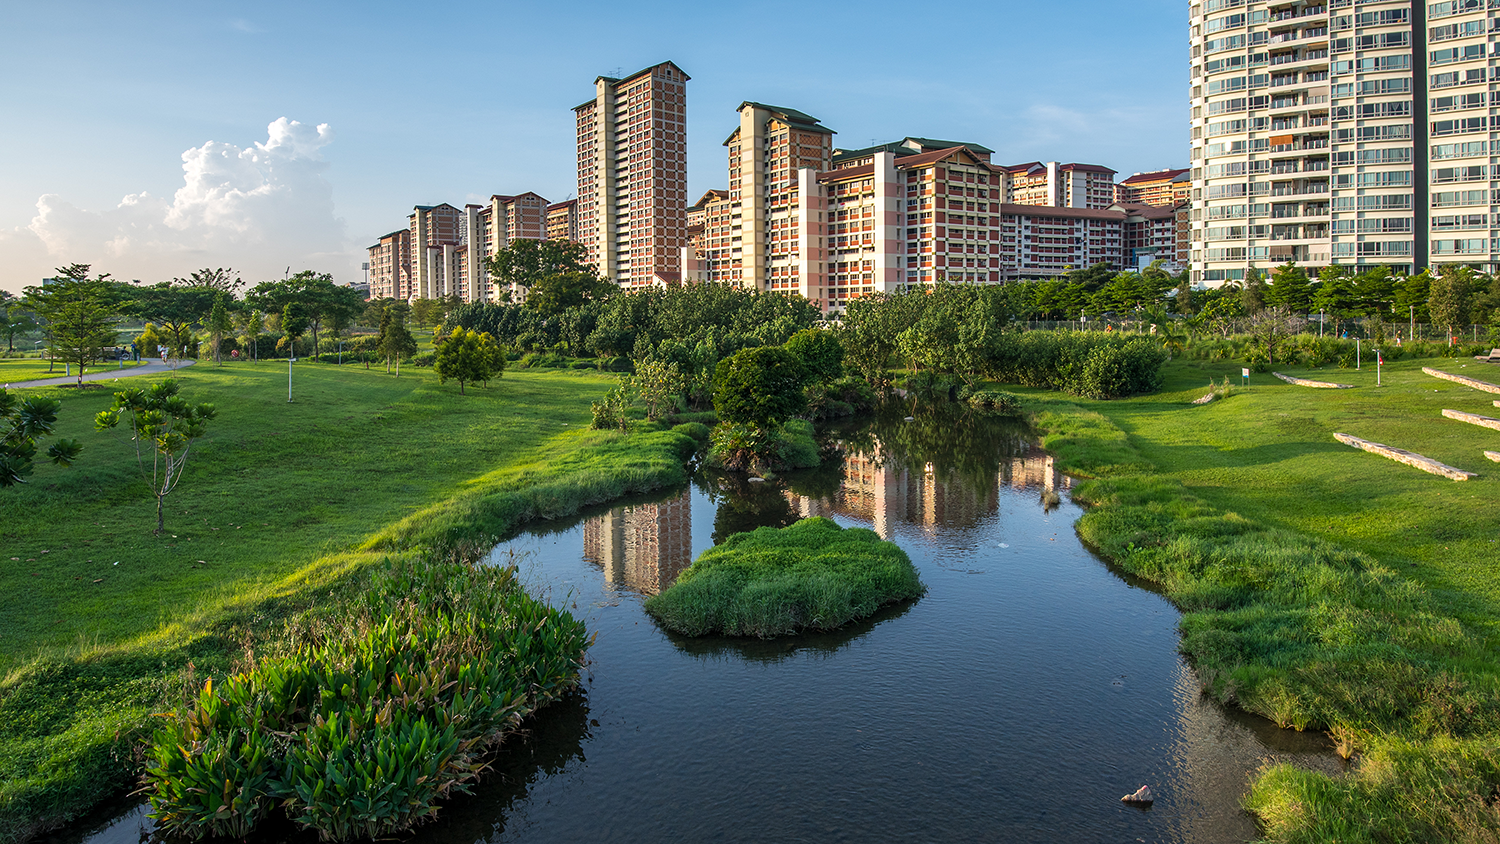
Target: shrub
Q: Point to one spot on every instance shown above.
(774, 582)
(748, 448)
(433, 667)
(1091, 364)
(697, 430)
(760, 386)
(819, 351)
(996, 402)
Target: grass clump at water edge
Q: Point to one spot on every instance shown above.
(774, 582)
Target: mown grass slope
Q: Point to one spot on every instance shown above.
(1323, 587)
(101, 622)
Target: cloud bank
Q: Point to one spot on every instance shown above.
(258, 209)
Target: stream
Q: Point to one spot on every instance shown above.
(1030, 688)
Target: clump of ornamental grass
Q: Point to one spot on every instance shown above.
(769, 582)
(384, 711)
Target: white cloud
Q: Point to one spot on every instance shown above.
(257, 209)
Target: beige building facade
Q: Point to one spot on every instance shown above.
(1341, 134)
(632, 175)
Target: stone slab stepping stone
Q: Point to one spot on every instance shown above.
(1304, 382)
(1473, 419)
(1463, 379)
(1401, 455)
(1493, 455)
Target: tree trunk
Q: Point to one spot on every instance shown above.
(159, 498)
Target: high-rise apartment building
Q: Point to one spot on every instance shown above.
(1161, 187)
(437, 233)
(1341, 133)
(1060, 185)
(390, 266)
(632, 175)
(562, 220)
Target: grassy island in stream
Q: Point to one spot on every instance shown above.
(286, 507)
(1322, 587)
(768, 582)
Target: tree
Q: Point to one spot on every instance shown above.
(1271, 328)
(166, 425)
(1411, 296)
(657, 382)
(820, 352)
(467, 356)
(222, 279)
(525, 262)
(1289, 288)
(219, 326)
(760, 386)
(251, 325)
(395, 341)
(15, 319)
(1183, 302)
(555, 294)
(174, 309)
(1449, 297)
(318, 299)
(293, 324)
(1253, 294)
(427, 312)
(22, 423)
(1336, 295)
(344, 307)
(80, 313)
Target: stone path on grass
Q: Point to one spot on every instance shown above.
(103, 375)
(1410, 458)
(1462, 379)
(1305, 382)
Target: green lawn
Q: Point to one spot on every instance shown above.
(1268, 453)
(1322, 587)
(102, 623)
(13, 370)
(273, 487)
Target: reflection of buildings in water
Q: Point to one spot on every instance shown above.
(882, 492)
(1036, 469)
(643, 547)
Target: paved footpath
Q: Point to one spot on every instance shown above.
(104, 374)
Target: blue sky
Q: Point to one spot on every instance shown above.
(106, 104)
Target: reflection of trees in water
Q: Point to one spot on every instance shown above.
(546, 744)
(783, 648)
(744, 506)
(959, 445)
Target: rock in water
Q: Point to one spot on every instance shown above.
(1143, 796)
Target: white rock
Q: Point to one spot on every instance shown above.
(1141, 796)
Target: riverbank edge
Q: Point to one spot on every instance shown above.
(99, 759)
(1308, 635)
